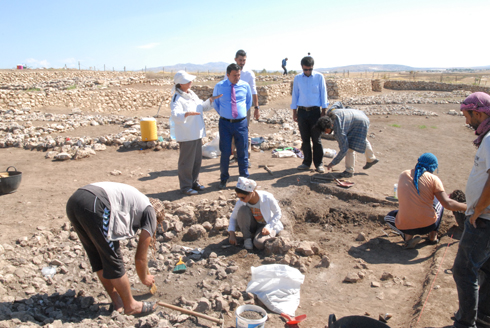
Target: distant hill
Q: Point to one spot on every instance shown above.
(220, 67)
(211, 67)
(390, 68)
(370, 68)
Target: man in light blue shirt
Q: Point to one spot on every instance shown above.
(232, 108)
(309, 96)
(284, 62)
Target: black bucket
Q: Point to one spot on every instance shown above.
(355, 321)
(11, 183)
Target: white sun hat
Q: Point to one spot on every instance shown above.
(245, 184)
(182, 77)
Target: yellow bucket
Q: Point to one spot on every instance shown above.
(148, 129)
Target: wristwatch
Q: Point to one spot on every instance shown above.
(256, 107)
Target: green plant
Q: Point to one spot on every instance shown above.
(33, 89)
(433, 127)
(396, 125)
(292, 72)
(71, 87)
(422, 127)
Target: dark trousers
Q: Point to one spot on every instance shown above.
(285, 70)
(190, 159)
(238, 131)
(306, 122)
(471, 272)
(87, 218)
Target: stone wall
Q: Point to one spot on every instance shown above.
(103, 100)
(266, 93)
(348, 87)
(377, 85)
(433, 86)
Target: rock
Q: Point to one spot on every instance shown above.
(325, 262)
(361, 237)
(195, 232)
(203, 305)
(307, 248)
(386, 276)
(375, 284)
(50, 154)
(221, 304)
(56, 263)
(186, 215)
(86, 302)
(221, 223)
(62, 157)
(116, 172)
(208, 226)
(278, 246)
(352, 277)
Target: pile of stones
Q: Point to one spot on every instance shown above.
(71, 294)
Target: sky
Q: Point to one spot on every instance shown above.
(135, 34)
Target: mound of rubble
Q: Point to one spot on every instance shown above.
(71, 295)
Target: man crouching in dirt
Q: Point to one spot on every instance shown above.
(422, 201)
(350, 127)
(257, 213)
(104, 213)
(471, 270)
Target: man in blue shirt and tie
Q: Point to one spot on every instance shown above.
(309, 95)
(232, 108)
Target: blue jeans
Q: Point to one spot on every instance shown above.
(471, 272)
(238, 131)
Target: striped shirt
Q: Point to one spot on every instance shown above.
(350, 127)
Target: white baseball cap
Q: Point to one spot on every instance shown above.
(182, 77)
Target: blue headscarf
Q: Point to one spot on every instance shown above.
(427, 162)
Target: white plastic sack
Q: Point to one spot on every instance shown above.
(211, 149)
(277, 286)
(330, 153)
(283, 154)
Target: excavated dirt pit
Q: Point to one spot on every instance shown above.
(346, 227)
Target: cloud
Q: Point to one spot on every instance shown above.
(37, 63)
(149, 45)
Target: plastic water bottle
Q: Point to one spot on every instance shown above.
(395, 189)
(172, 128)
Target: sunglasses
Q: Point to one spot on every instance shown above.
(307, 69)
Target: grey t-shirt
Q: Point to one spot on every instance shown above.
(132, 214)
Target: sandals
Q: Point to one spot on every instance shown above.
(148, 308)
(412, 242)
(433, 242)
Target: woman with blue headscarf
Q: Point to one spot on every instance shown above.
(422, 200)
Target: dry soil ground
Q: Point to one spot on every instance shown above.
(331, 216)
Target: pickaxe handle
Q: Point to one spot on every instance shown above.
(197, 314)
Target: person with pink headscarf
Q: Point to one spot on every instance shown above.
(471, 270)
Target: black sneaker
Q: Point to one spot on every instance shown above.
(222, 184)
(368, 165)
(233, 160)
(345, 174)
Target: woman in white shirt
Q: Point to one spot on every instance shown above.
(257, 213)
(187, 115)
